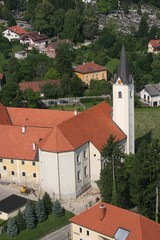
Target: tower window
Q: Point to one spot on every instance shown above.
(119, 94)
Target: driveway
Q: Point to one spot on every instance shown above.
(61, 234)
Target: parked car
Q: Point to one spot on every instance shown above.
(61, 102)
(51, 103)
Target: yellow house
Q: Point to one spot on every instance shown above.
(108, 222)
(90, 70)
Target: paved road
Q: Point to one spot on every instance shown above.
(61, 234)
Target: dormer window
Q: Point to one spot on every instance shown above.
(119, 94)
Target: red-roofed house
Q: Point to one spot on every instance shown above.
(154, 46)
(60, 151)
(90, 70)
(107, 222)
(14, 33)
(34, 39)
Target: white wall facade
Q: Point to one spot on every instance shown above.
(123, 111)
(150, 101)
(65, 175)
(10, 35)
(96, 164)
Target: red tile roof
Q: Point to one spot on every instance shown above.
(1, 76)
(139, 227)
(89, 67)
(35, 36)
(94, 124)
(36, 86)
(155, 43)
(17, 29)
(14, 144)
(38, 117)
(4, 116)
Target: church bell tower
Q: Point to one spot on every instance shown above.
(123, 101)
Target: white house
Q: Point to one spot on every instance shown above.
(14, 33)
(60, 151)
(34, 39)
(150, 95)
(21, 55)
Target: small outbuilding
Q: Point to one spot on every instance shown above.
(10, 206)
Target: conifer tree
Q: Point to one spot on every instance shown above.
(40, 211)
(30, 217)
(20, 221)
(12, 228)
(58, 210)
(47, 203)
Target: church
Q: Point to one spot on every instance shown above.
(60, 151)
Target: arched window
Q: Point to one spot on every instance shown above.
(119, 94)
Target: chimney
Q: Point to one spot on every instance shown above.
(75, 112)
(34, 146)
(23, 129)
(102, 212)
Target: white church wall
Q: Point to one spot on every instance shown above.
(95, 164)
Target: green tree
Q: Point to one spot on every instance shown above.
(40, 211)
(20, 221)
(32, 98)
(30, 216)
(73, 29)
(49, 91)
(47, 203)
(59, 21)
(76, 87)
(44, 16)
(12, 229)
(112, 153)
(52, 74)
(105, 6)
(143, 27)
(57, 209)
(65, 87)
(64, 60)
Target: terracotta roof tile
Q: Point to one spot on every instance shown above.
(36, 36)
(4, 117)
(17, 29)
(94, 124)
(38, 117)
(139, 227)
(22, 144)
(155, 43)
(89, 67)
(36, 86)
(1, 76)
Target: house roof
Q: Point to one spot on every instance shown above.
(89, 67)
(137, 226)
(17, 145)
(17, 29)
(4, 116)
(36, 86)
(94, 124)
(153, 90)
(1, 76)
(58, 43)
(38, 117)
(35, 36)
(123, 70)
(12, 203)
(155, 43)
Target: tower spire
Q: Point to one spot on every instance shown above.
(123, 69)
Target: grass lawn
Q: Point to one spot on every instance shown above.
(50, 225)
(112, 64)
(147, 123)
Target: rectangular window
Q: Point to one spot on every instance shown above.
(33, 163)
(23, 174)
(34, 175)
(1, 160)
(79, 175)
(87, 233)
(80, 230)
(23, 162)
(78, 158)
(12, 161)
(4, 168)
(102, 75)
(12, 173)
(85, 154)
(85, 171)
